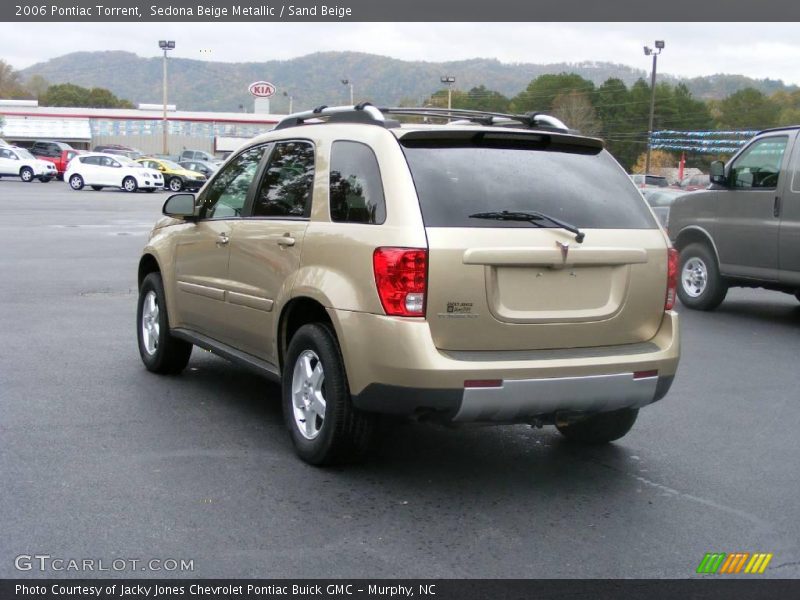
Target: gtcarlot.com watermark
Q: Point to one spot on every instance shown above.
(46, 563)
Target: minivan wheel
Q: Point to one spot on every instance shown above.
(600, 428)
(700, 286)
(76, 182)
(129, 184)
(324, 426)
(160, 352)
(26, 174)
(175, 184)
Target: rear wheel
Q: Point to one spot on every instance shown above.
(44, 179)
(324, 425)
(97, 188)
(160, 352)
(129, 184)
(701, 287)
(600, 428)
(26, 174)
(76, 182)
(175, 184)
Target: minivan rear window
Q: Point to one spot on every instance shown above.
(581, 185)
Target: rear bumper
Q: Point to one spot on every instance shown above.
(394, 368)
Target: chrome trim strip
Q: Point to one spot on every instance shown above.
(201, 290)
(520, 398)
(250, 301)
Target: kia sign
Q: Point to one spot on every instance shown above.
(262, 89)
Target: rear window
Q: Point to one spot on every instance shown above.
(582, 186)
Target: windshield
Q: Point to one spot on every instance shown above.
(583, 187)
(127, 161)
(170, 165)
(23, 153)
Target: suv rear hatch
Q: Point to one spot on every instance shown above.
(501, 284)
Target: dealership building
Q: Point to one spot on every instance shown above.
(24, 122)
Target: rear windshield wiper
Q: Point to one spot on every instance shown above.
(531, 216)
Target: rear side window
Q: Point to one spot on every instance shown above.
(287, 186)
(356, 190)
(90, 160)
(582, 186)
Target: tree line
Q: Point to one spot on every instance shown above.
(613, 111)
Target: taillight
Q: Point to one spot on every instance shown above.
(672, 278)
(401, 278)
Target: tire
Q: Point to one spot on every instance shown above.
(797, 295)
(600, 428)
(97, 188)
(160, 352)
(45, 179)
(76, 182)
(26, 174)
(129, 184)
(175, 184)
(699, 283)
(314, 371)
(150, 190)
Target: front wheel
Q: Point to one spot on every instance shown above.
(160, 351)
(129, 184)
(701, 287)
(600, 428)
(26, 174)
(97, 188)
(324, 426)
(175, 184)
(44, 179)
(76, 182)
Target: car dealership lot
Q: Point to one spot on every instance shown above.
(101, 459)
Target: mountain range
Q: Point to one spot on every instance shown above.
(316, 78)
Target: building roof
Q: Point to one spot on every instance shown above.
(14, 109)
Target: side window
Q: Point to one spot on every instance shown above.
(759, 165)
(226, 194)
(91, 160)
(356, 190)
(287, 185)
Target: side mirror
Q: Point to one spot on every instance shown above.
(180, 206)
(160, 168)
(717, 173)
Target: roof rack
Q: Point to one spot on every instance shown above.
(369, 114)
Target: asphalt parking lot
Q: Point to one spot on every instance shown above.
(101, 459)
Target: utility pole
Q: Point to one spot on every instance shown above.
(448, 80)
(165, 45)
(349, 83)
(654, 53)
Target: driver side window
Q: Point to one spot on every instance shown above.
(759, 165)
(225, 196)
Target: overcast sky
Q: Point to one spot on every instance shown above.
(757, 50)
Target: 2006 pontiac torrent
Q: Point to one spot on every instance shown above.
(480, 268)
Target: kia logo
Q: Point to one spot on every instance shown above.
(262, 89)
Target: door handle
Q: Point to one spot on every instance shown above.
(223, 239)
(776, 208)
(286, 240)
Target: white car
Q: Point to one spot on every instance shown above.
(99, 170)
(18, 162)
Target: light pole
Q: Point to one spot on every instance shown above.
(166, 45)
(654, 53)
(448, 80)
(291, 99)
(349, 83)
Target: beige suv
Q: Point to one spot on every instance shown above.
(492, 268)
